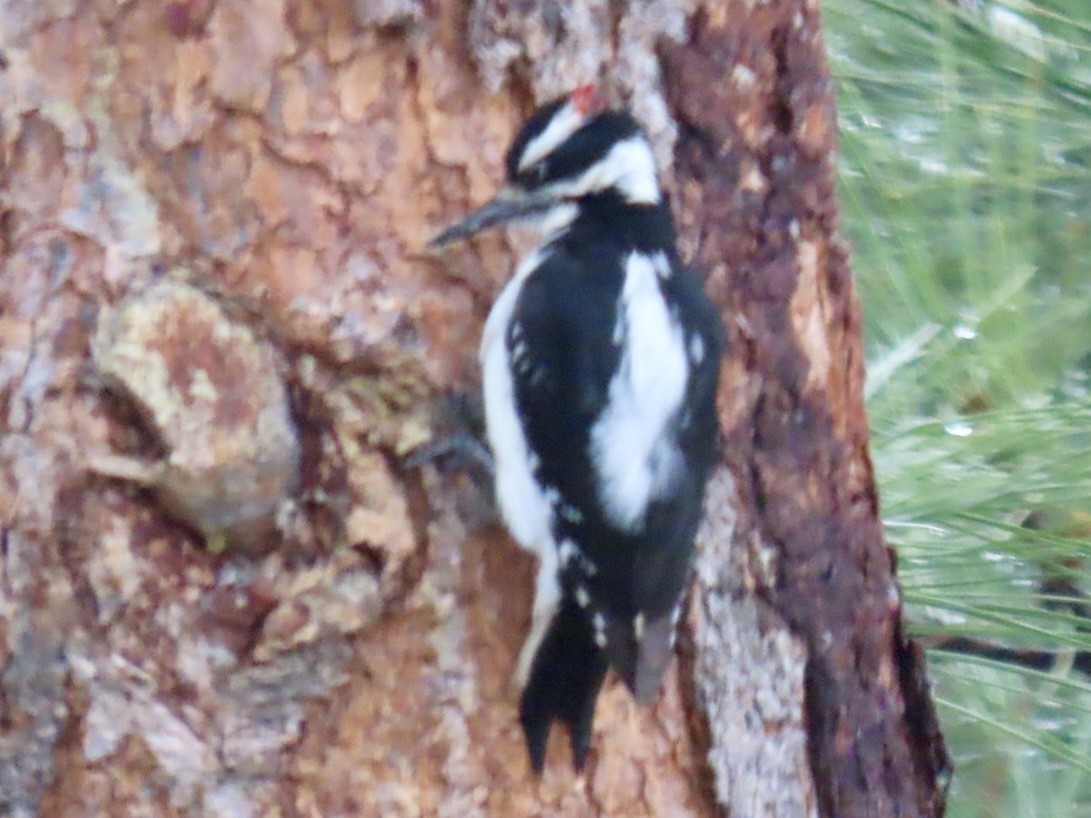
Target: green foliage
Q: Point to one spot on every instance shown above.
(966, 192)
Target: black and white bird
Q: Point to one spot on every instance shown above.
(600, 362)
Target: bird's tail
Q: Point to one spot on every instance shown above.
(564, 683)
(639, 650)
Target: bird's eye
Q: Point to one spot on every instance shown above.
(533, 176)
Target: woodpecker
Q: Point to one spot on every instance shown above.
(600, 363)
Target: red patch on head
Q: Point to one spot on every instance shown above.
(586, 99)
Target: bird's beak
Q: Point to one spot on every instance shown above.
(509, 205)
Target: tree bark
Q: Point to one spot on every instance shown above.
(223, 592)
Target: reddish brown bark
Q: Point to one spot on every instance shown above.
(758, 191)
(282, 163)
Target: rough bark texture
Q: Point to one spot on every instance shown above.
(757, 197)
(221, 591)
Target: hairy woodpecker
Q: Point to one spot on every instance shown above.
(600, 364)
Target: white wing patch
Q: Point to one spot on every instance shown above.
(634, 460)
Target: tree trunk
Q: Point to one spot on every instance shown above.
(223, 592)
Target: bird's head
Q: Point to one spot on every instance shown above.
(569, 149)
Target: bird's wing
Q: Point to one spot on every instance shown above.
(562, 351)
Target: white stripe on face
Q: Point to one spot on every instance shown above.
(628, 166)
(565, 122)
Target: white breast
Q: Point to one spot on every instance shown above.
(635, 460)
(526, 509)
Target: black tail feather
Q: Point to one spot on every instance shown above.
(564, 683)
(640, 656)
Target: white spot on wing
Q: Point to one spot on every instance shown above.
(567, 551)
(634, 459)
(583, 599)
(599, 623)
(696, 349)
(570, 513)
(638, 626)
